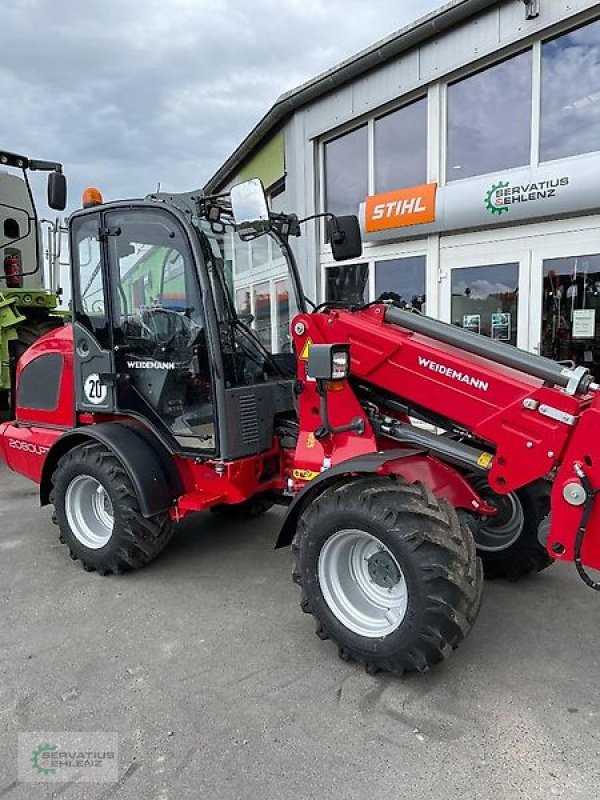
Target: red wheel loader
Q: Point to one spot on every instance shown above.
(412, 456)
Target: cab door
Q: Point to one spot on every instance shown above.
(93, 357)
(161, 347)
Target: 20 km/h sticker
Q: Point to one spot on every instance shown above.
(95, 390)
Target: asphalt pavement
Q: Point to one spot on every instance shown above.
(218, 687)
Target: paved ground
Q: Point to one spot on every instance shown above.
(218, 687)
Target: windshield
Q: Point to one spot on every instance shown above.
(252, 284)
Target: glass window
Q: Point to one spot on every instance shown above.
(401, 148)
(242, 255)
(262, 313)
(485, 300)
(489, 119)
(570, 122)
(348, 284)
(89, 297)
(571, 311)
(404, 277)
(282, 303)
(346, 172)
(242, 305)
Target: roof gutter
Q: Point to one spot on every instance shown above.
(426, 28)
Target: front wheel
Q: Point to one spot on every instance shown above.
(508, 542)
(388, 573)
(99, 516)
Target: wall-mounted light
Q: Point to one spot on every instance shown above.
(532, 8)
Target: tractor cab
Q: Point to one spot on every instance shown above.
(181, 318)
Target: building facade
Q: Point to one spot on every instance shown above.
(469, 146)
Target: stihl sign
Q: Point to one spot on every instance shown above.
(401, 208)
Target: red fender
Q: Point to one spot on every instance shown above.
(412, 465)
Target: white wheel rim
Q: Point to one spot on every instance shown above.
(89, 512)
(362, 583)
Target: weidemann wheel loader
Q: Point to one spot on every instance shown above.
(28, 303)
(167, 396)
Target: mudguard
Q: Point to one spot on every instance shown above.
(411, 464)
(147, 462)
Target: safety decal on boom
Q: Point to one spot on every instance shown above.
(304, 474)
(484, 460)
(306, 350)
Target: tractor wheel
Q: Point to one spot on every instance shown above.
(28, 332)
(508, 543)
(388, 572)
(254, 507)
(31, 330)
(98, 513)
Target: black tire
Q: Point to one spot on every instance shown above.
(28, 332)
(135, 540)
(33, 329)
(254, 507)
(525, 556)
(435, 552)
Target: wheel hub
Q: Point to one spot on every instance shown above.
(89, 511)
(362, 583)
(383, 570)
(501, 531)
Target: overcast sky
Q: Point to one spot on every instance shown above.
(127, 94)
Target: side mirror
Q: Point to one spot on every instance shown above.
(249, 206)
(344, 237)
(57, 191)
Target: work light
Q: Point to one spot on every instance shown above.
(329, 362)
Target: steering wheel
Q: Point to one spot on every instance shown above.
(98, 307)
(162, 325)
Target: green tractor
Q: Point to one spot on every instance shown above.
(28, 292)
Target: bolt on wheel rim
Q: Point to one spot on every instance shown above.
(89, 512)
(362, 583)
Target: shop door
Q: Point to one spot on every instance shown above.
(565, 291)
(486, 291)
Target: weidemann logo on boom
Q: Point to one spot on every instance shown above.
(455, 375)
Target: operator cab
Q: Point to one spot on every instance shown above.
(182, 321)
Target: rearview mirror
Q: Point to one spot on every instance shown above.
(57, 191)
(249, 205)
(344, 237)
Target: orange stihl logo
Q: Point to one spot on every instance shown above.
(412, 206)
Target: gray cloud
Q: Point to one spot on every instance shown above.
(127, 94)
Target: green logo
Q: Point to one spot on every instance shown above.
(495, 199)
(41, 759)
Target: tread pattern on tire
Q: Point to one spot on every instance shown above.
(451, 570)
(141, 538)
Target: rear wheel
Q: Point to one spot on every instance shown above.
(508, 543)
(99, 516)
(388, 573)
